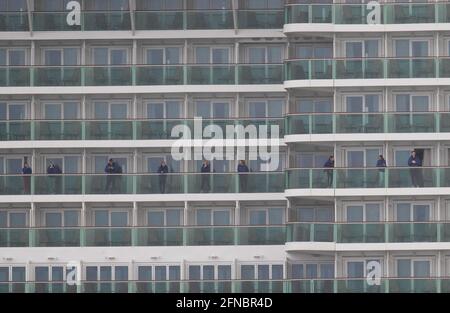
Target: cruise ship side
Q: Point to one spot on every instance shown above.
(329, 123)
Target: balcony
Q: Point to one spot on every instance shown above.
(369, 232)
(323, 285)
(145, 20)
(260, 19)
(391, 177)
(351, 14)
(142, 129)
(140, 75)
(174, 183)
(14, 21)
(143, 236)
(368, 68)
(369, 123)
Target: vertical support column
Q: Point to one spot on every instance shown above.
(185, 162)
(83, 117)
(333, 119)
(32, 62)
(135, 115)
(439, 272)
(237, 222)
(83, 225)
(185, 222)
(83, 172)
(83, 63)
(29, 278)
(183, 277)
(132, 6)
(134, 62)
(33, 177)
(186, 61)
(438, 163)
(236, 62)
(388, 271)
(235, 276)
(32, 227)
(336, 214)
(439, 108)
(438, 219)
(437, 53)
(33, 117)
(134, 230)
(386, 218)
(135, 178)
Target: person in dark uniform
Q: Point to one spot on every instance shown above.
(163, 169)
(205, 170)
(329, 164)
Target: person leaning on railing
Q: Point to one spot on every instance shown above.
(329, 165)
(381, 162)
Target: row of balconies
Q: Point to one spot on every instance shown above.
(254, 182)
(368, 232)
(141, 75)
(225, 74)
(142, 236)
(349, 13)
(317, 123)
(144, 20)
(117, 129)
(368, 68)
(342, 285)
(390, 13)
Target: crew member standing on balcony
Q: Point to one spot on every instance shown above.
(163, 169)
(206, 169)
(243, 175)
(110, 170)
(26, 171)
(416, 173)
(52, 171)
(329, 164)
(381, 162)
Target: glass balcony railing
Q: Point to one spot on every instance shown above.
(130, 129)
(173, 183)
(260, 74)
(260, 19)
(314, 285)
(14, 21)
(389, 13)
(14, 237)
(368, 68)
(387, 122)
(143, 236)
(391, 177)
(110, 20)
(369, 232)
(121, 20)
(15, 130)
(210, 19)
(160, 20)
(141, 75)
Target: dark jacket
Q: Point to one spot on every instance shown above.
(242, 168)
(329, 163)
(52, 170)
(110, 168)
(206, 168)
(418, 161)
(58, 170)
(27, 171)
(163, 169)
(381, 163)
